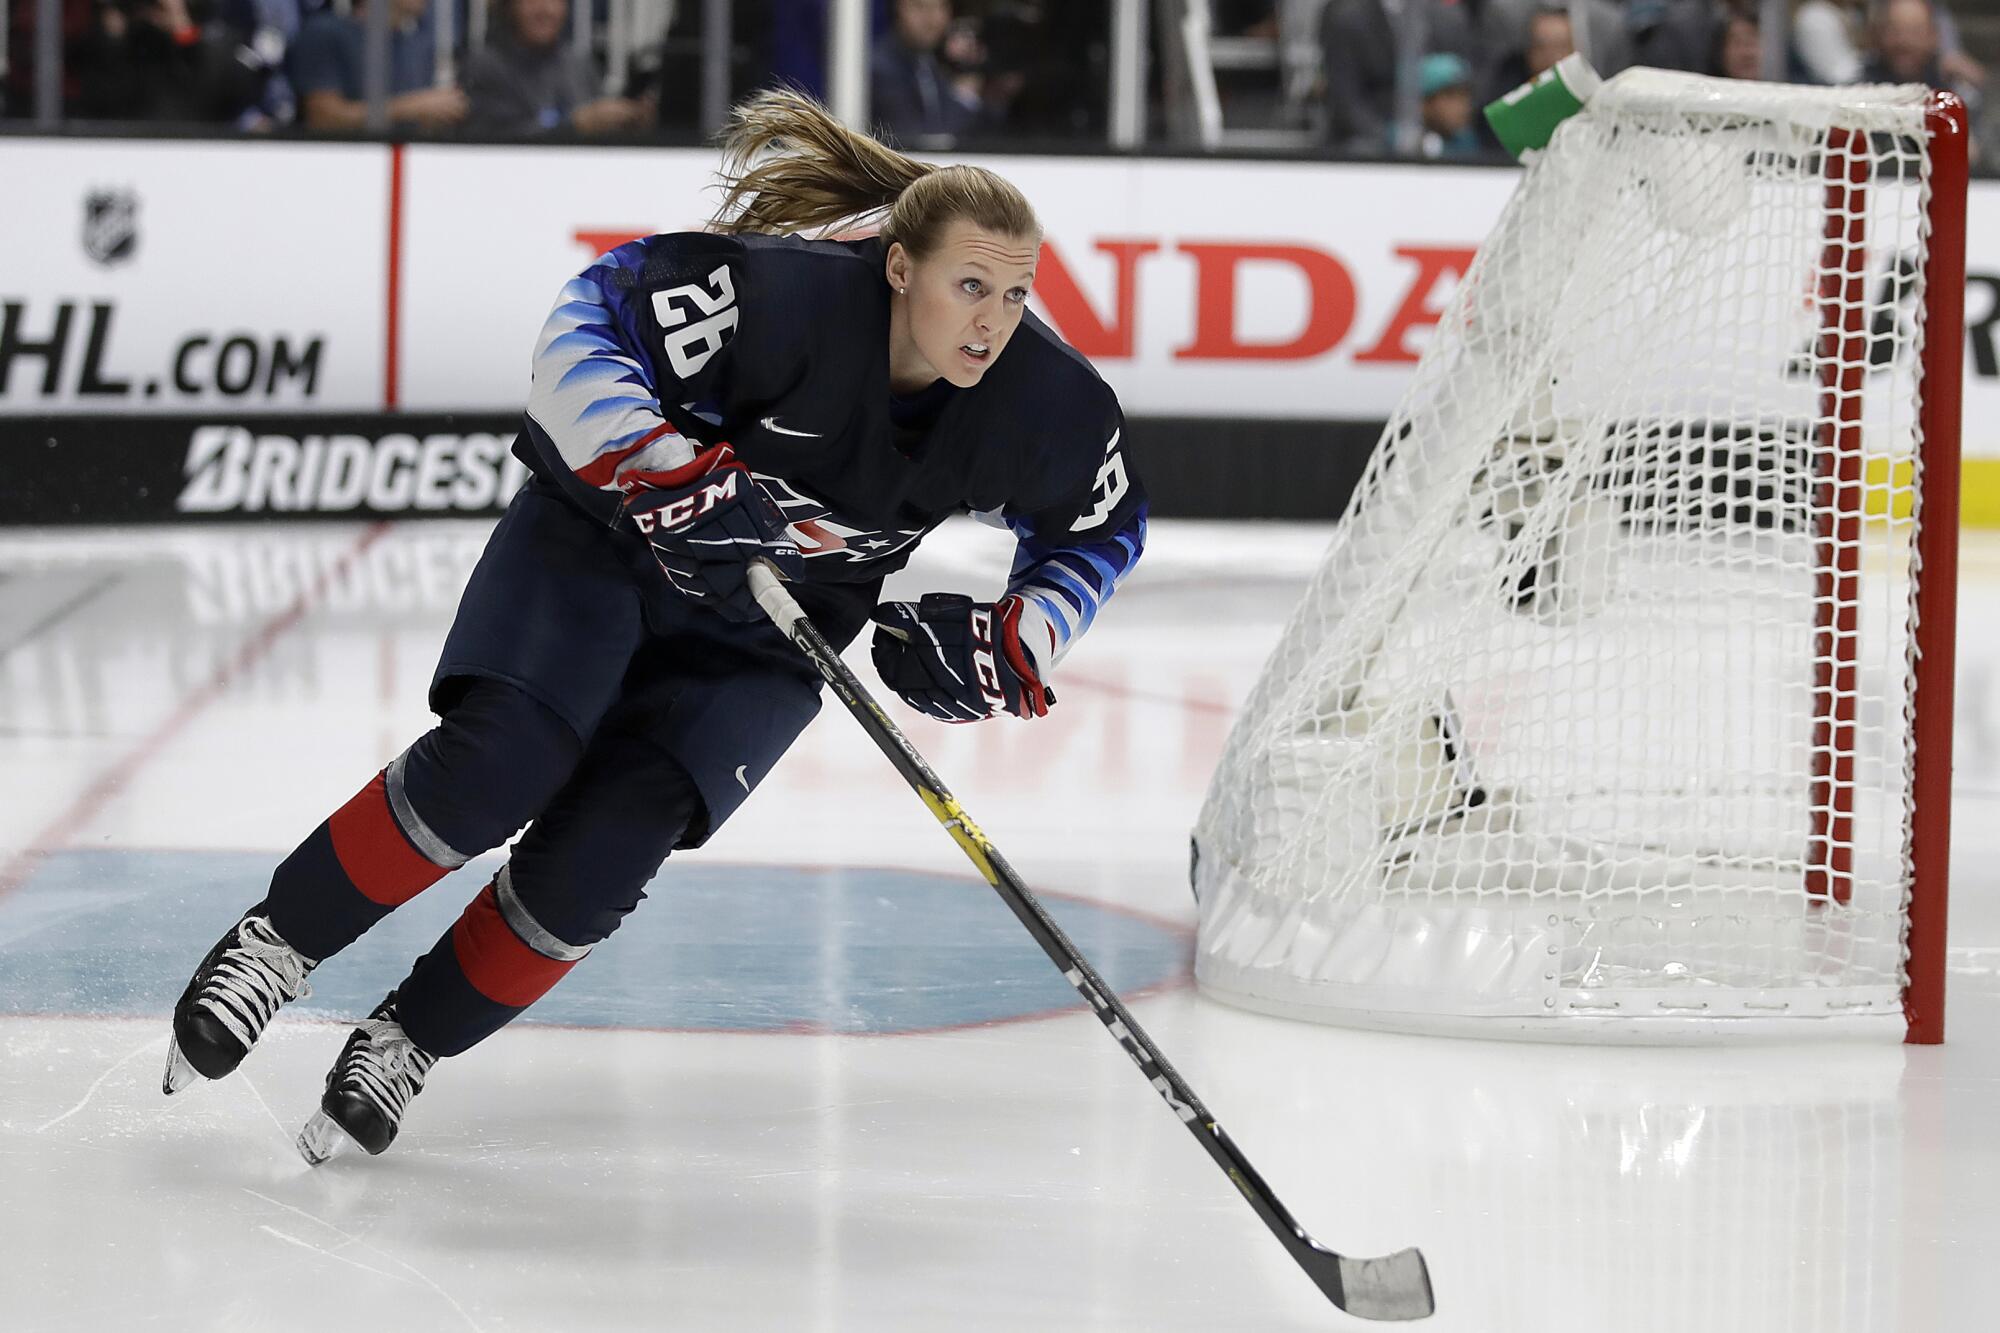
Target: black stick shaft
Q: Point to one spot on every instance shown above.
(1395, 1286)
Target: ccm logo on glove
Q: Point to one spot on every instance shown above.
(677, 512)
(959, 660)
(983, 669)
(706, 522)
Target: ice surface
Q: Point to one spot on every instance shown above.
(822, 1081)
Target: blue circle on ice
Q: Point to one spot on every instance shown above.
(714, 948)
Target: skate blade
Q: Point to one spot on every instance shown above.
(320, 1139)
(179, 1072)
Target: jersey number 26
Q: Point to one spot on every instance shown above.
(689, 346)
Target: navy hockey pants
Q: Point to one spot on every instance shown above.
(578, 695)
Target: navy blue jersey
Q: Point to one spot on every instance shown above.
(779, 346)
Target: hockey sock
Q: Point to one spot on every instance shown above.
(494, 962)
(579, 870)
(463, 788)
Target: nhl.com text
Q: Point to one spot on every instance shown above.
(64, 349)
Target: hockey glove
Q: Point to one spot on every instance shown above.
(706, 523)
(957, 659)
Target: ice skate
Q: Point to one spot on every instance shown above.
(368, 1089)
(249, 974)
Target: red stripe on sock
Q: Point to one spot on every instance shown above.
(371, 848)
(494, 959)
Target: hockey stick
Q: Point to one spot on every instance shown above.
(1395, 1286)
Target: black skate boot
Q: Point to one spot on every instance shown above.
(369, 1087)
(249, 974)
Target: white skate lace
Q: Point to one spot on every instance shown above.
(253, 979)
(386, 1067)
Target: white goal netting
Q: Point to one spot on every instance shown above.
(1598, 707)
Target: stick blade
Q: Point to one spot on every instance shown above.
(1394, 1287)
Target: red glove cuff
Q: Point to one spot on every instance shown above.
(703, 463)
(1007, 619)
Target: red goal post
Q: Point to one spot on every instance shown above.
(1941, 419)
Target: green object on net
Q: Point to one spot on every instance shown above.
(1526, 118)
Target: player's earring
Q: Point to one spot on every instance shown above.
(902, 291)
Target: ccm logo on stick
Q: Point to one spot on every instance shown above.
(1132, 1048)
(688, 507)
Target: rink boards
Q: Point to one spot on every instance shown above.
(361, 279)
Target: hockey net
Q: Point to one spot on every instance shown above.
(1619, 706)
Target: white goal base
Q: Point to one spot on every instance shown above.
(1512, 972)
(1565, 1027)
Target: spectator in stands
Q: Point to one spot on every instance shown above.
(156, 60)
(1916, 42)
(649, 27)
(1546, 40)
(1446, 83)
(1824, 42)
(914, 95)
(1906, 45)
(1358, 40)
(326, 65)
(1964, 74)
(1047, 68)
(1609, 27)
(1011, 44)
(1739, 45)
(528, 80)
(1827, 44)
(1677, 34)
(1549, 40)
(266, 29)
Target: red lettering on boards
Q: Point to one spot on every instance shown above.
(1433, 263)
(1329, 312)
(1070, 310)
(597, 242)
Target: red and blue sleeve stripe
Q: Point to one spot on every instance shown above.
(1068, 582)
(592, 393)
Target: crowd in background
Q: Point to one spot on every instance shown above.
(1019, 68)
(1476, 50)
(941, 71)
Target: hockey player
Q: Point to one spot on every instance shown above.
(699, 401)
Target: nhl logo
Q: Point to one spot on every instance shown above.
(110, 225)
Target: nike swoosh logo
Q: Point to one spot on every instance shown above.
(771, 424)
(740, 778)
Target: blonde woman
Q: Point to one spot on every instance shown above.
(698, 401)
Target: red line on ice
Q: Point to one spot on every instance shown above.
(114, 779)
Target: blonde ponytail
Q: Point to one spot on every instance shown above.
(789, 166)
